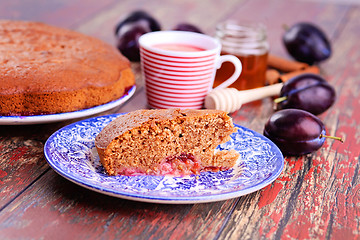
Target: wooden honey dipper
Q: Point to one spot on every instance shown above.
(231, 99)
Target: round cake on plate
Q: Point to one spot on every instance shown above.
(47, 70)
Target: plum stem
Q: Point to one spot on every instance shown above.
(332, 137)
(285, 27)
(280, 99)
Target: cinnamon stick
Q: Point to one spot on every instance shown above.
(284, 65)
(273, 76)
(310, 69)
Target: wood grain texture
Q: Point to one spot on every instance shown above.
(55, 203)
(62, 13)
(21, 158)
(316, 196)
(172, 12)
(276, 14)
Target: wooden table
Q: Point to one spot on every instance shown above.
(316, 196)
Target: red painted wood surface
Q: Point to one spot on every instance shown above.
(316, 196)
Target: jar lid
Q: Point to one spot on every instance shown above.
(242, 38)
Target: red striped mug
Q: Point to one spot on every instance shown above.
(179, 68)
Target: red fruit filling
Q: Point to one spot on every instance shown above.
(181, 165)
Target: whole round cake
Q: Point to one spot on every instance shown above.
(46, 70)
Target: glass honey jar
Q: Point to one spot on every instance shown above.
(248, 42)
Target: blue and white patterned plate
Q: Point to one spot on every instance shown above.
(71, 152)
(38, 119)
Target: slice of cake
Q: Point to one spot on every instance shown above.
(46, 70)
(166, 142)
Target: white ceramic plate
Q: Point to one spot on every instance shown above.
(71, 152)
(38, 119)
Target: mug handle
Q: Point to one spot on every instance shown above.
(238, 68)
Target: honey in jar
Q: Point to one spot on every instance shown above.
(248, 42)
